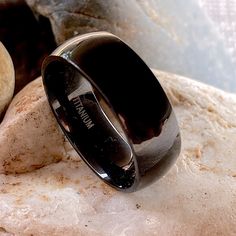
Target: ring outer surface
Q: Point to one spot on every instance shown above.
(151, 157)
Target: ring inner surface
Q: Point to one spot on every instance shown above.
(90, 124)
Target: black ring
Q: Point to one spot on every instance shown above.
(112, 109)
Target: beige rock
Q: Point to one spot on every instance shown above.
(7, 78)
(196, 197)
(29, 135)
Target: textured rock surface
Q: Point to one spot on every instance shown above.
(29, 136)
(7, 78)
(173, 36)
(196, 197)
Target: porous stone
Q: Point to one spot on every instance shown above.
(7, 78)
(196, 197)
(29, 136)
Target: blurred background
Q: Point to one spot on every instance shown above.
(223, 15)
(194, 38)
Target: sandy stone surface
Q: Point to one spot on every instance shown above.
(29, 136)
(7, 78)
(196, 197)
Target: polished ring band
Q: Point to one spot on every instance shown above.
(112, 109)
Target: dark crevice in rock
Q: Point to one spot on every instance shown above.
(4, 4)
(85, 14)
(27, 38)
(3, 230)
